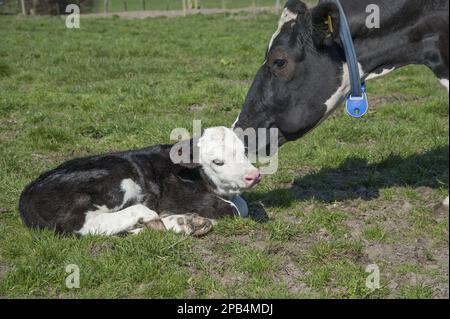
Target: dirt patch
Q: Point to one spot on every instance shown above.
(238, 82)
(11, 126)
(4, 269)
(430, 272)
(98, 249)
(7, 123)
(403, 248)
(194, 108)
(441, 211)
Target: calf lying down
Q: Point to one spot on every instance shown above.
(129, 191)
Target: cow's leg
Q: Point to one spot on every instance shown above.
(155, 224)
(189, 224)
(131, 219)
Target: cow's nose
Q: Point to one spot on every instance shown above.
(252, 178)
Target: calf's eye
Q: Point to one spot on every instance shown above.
(219, 162)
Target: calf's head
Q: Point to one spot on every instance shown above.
(221, 157)
(298, 84)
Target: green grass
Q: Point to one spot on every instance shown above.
(351, 194)
(375, 233)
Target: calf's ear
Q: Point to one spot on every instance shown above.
(326, 24)
(186, 154)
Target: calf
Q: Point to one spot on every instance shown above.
(128, 191)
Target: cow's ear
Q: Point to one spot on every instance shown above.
(304, 22)
(325, 21)
(186, 154)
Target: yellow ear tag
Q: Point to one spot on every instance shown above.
(329, 23)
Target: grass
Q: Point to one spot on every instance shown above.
(375, 233)
(351, 194)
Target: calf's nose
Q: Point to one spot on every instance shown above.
(252, 178)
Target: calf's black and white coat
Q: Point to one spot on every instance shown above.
(126, 191)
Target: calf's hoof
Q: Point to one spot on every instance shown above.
(198, 226)
(155, 224)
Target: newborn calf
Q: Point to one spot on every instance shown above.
(128, 191)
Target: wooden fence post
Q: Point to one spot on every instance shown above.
(125, 5)
(277, 6)
(105, 6)
(33, 7)
(143, 5)
(183, 4)
(24, 10)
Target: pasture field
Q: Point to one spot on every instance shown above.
(351, 194)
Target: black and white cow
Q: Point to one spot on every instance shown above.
(305, 78)
(128, 191)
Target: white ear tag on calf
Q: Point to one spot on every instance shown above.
(241, 206)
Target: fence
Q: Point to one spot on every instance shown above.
(110, 6)
(138, 5)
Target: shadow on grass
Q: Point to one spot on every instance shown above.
(357, 179)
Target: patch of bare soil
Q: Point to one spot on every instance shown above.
(287, 272)
(4, 269)
(98, 249)
(6, 123)
(194, 108)
(402, 247)
(11, 127)
(441, 211)
(218, 265)
(237, 82)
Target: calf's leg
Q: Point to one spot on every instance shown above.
(105, 222)
(188, 224)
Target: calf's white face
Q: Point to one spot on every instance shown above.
(222, 157)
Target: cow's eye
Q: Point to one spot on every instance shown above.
(219, 162)
(280, 63)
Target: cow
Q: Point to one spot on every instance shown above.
(183, 187)
(305, 77)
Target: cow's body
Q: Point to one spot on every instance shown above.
(305, 77)
(123, 192)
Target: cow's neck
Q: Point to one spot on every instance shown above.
(403, 38)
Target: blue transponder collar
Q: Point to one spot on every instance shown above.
(357, 104)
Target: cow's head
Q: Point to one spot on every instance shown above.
(300, 81)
